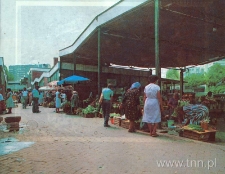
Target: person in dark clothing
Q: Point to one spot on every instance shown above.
(131, 104)
(106, 101)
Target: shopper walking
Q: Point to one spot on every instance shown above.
(106, 100)
(152, 106)
(24, 98)
(35, 97)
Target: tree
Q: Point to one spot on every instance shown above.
(215, 74)
(173, 74)
(195, 80)
(10, 76)
(214, 78)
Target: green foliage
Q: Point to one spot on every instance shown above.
(10, 76)
(215, 74)
(195, 80)
(173, 74)
(217, 89)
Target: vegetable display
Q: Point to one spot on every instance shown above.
(89, 109)
(195, 127)
(114, 115)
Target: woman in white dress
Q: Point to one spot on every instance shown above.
(57, 101)
(9, 101)
(152, 106)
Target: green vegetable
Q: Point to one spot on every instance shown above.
(196, 127)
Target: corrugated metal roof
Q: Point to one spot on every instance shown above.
(190, 34)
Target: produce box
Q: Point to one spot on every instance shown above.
(125, 123)
(12, 119)
(207, 135)
(117, 121)
(100, 115)
(90, 115)
(13, 126)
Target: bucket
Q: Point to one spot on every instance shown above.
(170, 123)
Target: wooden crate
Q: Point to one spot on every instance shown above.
(125, 124)
(90, 115)
(13, 126)
(117, 121)
(208, 135)
(12, 119)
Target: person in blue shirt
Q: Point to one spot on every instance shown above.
(35, 97)
(106, 101)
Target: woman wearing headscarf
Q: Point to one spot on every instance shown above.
(152, 105)
(132, 105)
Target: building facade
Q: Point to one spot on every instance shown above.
(20, 71)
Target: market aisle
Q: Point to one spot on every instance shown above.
(73, 144)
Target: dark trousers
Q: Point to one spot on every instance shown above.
(35, 107)
(24, 102)
(106, 106)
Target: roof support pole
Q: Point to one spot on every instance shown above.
(157, 60)
(99, 61)
(74, 64)
(181, 82)
(74, 67)
(60, 69)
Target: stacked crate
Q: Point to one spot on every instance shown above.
(13, 123)
(125, 123)
(117, 121)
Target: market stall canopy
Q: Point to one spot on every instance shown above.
(47, 88)
(72, 80)
(190, 33)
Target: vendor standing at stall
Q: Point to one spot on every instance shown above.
(105, 100)
(173, 103)
(74, 101)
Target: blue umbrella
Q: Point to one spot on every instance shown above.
(72, 80)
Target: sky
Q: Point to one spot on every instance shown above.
(33, 31)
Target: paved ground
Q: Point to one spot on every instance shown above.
(66, 144)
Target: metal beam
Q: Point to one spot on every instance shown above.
(99, 61)
(157, 60)
(74, 63)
